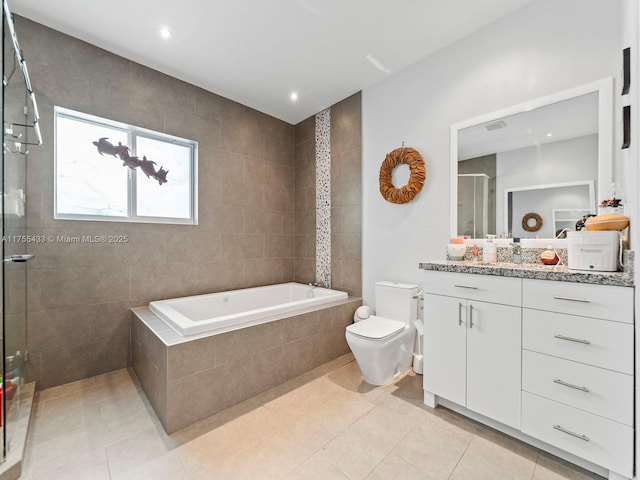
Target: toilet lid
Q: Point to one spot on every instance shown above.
(376, 328)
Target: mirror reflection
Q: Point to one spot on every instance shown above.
(537, 162)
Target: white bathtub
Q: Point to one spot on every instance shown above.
(225, 311)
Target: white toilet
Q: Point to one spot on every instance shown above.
(383, 343)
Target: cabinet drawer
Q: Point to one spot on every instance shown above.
(598, 440)
(596, 390)
(486, 288)
(600, 343)
(598, 301)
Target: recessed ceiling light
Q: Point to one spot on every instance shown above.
(165, 33)
(549, 134)
(293, 96)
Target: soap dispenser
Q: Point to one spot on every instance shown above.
(490, 250)
(517, 251)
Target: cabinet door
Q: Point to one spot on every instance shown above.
(445, 347)
(494, 361)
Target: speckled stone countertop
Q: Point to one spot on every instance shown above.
(533, 270)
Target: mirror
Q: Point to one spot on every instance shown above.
(546, 157)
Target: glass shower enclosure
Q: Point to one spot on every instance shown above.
(476, 217)
(20, 132)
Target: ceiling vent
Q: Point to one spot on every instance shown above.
(495, 125)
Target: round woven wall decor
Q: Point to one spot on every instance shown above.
(405, 194)
(536, 226)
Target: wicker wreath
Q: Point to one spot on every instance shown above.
(417, 175)
(532, 228)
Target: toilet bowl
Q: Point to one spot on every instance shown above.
(382, 344)
(383, 348)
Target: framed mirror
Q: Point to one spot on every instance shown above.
(547, 157)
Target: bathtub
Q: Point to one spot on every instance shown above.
(244, 347)
(226, 311)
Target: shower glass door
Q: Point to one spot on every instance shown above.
(17, 119)
(473, 205)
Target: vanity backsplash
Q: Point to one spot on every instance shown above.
(505, 254)
(532, 256)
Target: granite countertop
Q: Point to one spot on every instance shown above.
(530, 270)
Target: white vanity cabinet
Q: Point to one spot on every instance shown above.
(550, 362)
(472, 353)
(577, 371)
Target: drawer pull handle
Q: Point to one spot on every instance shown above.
(460, 306)
(470, 316)
(573, 434)
(569, 299)
(571, 385)
(466, 286)
(571, 339)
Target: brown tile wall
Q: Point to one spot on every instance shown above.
(79, 295)
(305, 207)
(13, 275)
(256, 206)
(346, 195)
(213, 373)
(149, 360)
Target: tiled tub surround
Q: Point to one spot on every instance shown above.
(188, 379)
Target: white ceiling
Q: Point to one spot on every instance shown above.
(257, 52)
(558, 121)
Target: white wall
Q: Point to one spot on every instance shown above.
(564, 161)
(629, 163)
(543, 202)
(543, 48)
(570, 160)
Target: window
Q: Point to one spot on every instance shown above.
(111, 171)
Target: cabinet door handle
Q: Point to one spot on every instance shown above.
(571, 385)
(466, 286)
(570, 299)
(573, 434)
(460, 306)
(571, 339)
(470, 316)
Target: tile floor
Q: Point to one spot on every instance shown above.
(327, 424)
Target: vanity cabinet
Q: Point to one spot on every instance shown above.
(577, 370)
(550, 362)
(472, 343)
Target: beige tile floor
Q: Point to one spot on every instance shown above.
(327, 424)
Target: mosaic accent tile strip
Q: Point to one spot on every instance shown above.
(323, 198)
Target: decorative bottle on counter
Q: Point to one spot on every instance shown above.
(490, 250)
(549, 256)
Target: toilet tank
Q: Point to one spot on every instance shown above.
(395, 301)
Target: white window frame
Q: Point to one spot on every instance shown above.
(133, 133)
